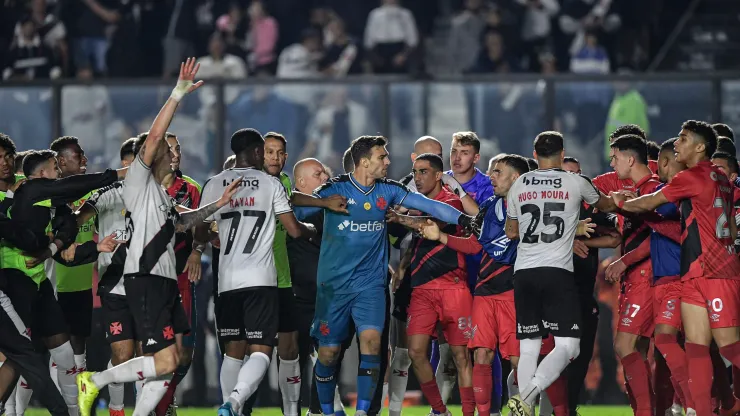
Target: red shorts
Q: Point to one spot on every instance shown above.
(721, 297)
(636, 309)
(494, 324)
(667, 304)
(186, 295)
(449, 307)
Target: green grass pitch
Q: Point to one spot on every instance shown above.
(408, 411)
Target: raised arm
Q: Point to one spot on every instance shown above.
(161, 123)
(436, 209)
(645, 203)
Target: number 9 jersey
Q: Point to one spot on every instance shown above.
(547, 205)
(246, 227)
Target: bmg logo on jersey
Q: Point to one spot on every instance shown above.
(362, 227)
(554, 182)
(252, 183)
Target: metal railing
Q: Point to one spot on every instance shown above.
(321, 116)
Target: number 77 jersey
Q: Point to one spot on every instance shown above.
(246, 227)
(547, 204)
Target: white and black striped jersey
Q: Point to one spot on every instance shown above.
(111, 219)
(150, 224)
(547, 203)
(246, 227)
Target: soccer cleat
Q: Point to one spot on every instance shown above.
(446, 413)
(226, 410)
(690, 412)
(87, 392)
(113, 412)
(675, 410)
(518, 407)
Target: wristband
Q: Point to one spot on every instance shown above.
(53, 248)
(180, 90)
(620, 204)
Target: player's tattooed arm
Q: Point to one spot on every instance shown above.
(512, 228)
(190, 219)
(413, 222)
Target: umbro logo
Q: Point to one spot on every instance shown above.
(351, 201)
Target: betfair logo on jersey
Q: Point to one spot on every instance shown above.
(534, 181)
(361, 227)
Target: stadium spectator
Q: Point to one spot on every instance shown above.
(181, 37)
(493, 57)
(52, 31)
(87, 114)
(465, 35)
(580, 16)
(219, 64)
(343, 55)
(591, 58)
(300, 60)
(390, 38)
(233, 25)
(29, 58)
(536, 27)
(90, 23)
(262, 38)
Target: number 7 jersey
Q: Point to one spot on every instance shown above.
(246, 227)
(547, 204)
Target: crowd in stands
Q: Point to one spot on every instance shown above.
(41, 39)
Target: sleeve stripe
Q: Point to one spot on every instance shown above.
(404, 198)
(93, 207)
(283, 212)
(138, 157)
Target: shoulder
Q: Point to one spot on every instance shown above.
(285, 180)
(192, 182)
(392, 183)
(334, 183)
(407, 179)
(449, 198)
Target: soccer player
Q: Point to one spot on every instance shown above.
(629, 160)
(724, 130)
(543, 207)
(709, 264)
(585, 268)
(289, 371)
(32, 206)
(248, 302)
(150, 277)
(74, 284)
(186, 192)
(107, 205)
(493, 315)
(354, 261)
(440, 295)
(9, 179)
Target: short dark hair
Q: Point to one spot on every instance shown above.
(519, 163)
(725, 145)
(34, 159)
(19, 160)
(127, 148)
(705, 131)
(634, 144)
(653, 150)
(143, 136)
(548, 143)
(533, 165)
(723, 129)
(731, 161)
(7, 143)
(362, 147)
(347, 163)
(434, 161)
(571, 159)
(628, 129)
(277, 136)
(64, 143)
(668, 145)
(245, 139)
(467, 138)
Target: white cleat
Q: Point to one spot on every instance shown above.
(690, 412)
(675, 410)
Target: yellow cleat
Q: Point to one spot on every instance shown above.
(517, 406)
(87, 392)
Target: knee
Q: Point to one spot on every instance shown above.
(370, 342)
(121, 354)
(328, 356)
(623, 346)
(572, 346)
(401, 357)
(418, 353)
(483, 356)
(166, 360)
(287, 348)
(461, 357)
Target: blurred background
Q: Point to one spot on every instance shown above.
(323, 72)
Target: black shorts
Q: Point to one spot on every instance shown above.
(402, 300)
(547, 302)
(77, 308)
(117, 318)
(287, 321)
(48, 317)
(248, 314)
(154, 302)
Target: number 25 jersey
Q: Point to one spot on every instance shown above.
(246, 227)
(547, 204)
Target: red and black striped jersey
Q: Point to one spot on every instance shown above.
(705, 198)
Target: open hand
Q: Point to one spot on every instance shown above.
(580, 249)
(229, 192)
(585, 228)
(107, 245)
(615, 271)
(194, 266)
(185, 85)
(430, 230)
